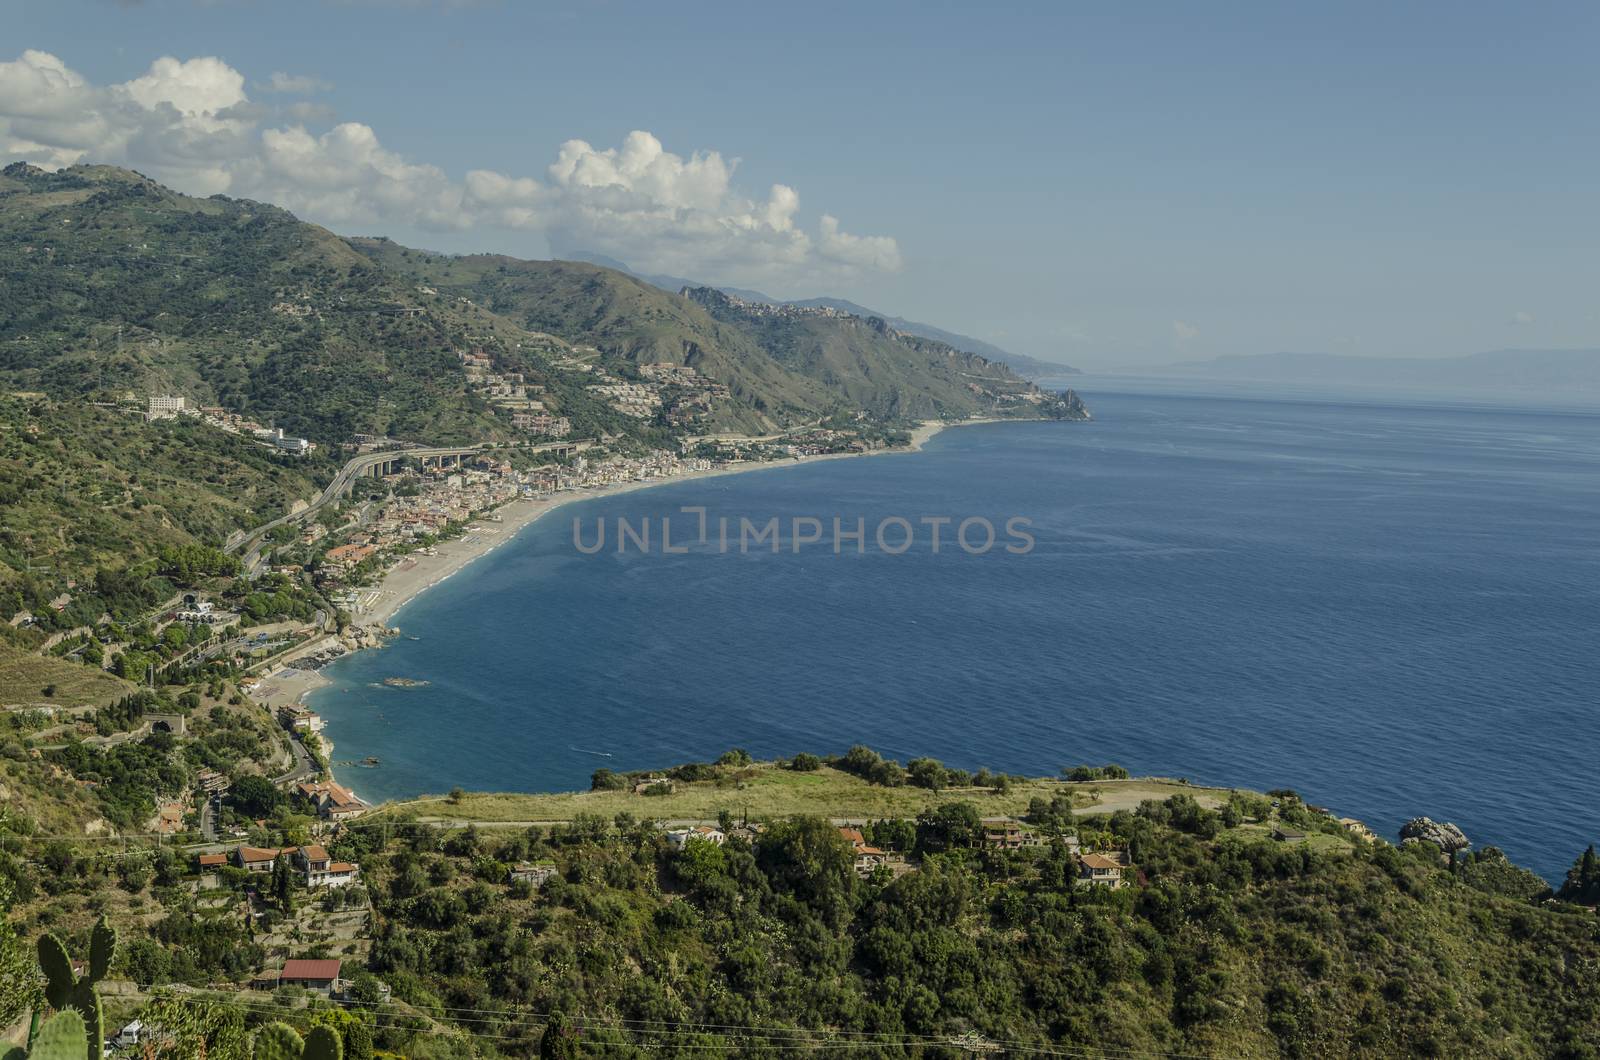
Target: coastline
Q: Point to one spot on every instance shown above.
(415, 574)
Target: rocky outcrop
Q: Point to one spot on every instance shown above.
(1067, 406)
(1447, 837)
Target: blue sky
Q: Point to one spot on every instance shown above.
(1102, 185)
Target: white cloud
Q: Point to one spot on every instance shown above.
(198, 89)
(1183, 331)
(190, 123)
(1522, 316)
(295, 84)
(873, 252)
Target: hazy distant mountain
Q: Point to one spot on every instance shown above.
(1553, 371)
(1023, 365)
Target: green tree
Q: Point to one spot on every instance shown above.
(255, 796)
(949, 826)
(927, 773)
(808, 858)
(559, 1040)
(283, 884)
(607, 780)
(1582, 884)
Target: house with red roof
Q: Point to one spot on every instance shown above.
(1102, 870)
(867, 857)
(319, 976)
(322, 871)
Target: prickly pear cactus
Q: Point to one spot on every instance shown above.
(57, 969)
(66, 992)
(323, 1043)
(278, 1041)
(102, 948)
(85, 1001)
(61, 1038)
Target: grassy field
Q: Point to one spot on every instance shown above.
(764, 791)
(24, 676)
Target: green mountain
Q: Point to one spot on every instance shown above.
(110, 282)
(784, 365)
(1023, 365)
(114, 284)
(874, 365)
(616, 320)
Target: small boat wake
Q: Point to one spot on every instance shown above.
(585, 751)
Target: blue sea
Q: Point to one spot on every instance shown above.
(1392, 608)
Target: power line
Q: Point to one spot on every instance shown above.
(813, 1037)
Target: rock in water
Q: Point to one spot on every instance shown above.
(1447, 837)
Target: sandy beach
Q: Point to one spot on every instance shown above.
(417, 573)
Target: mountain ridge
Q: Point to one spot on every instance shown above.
(116, 284)
(1022, 364)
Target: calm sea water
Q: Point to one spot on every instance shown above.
(1393, 609)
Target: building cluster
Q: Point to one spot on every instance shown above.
(171, 406)
(511, 393)
(819, 441)
(332, 801)
(1032, 395)
(682, 394)
(297, 717)
(778, 311)
(631, 399)
(198, 612)
(444, 496)
(658, 463)
(456, 495)
(312, 862)
(542, 423)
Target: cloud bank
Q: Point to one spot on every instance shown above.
(191, 124)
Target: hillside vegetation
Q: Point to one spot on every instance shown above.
(84, 487)
(771, 941)
(111, 282)
(765, 789)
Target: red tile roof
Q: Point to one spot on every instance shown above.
(313, 970)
